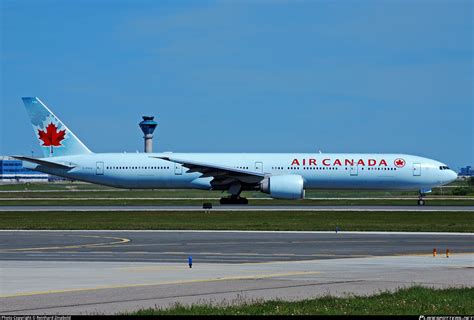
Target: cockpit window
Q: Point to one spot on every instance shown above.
(443, 168)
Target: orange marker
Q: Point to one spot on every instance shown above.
(434, 252)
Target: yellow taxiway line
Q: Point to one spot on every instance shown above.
(89, 245)
(253, 277)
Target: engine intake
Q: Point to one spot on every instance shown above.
(284, 186)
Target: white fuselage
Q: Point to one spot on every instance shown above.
(318, 170)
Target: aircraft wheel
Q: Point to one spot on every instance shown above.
(243, 201)
(232, 200)
(421, 202)
(225, 201)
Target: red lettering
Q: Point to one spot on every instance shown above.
(295, 162)
(325, 162)
(348, 162)
(372, 162)
(337, 162)
(361, 162)
(382, 162)
(304, 161)
(312, 162)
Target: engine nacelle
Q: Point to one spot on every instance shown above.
(283, 187)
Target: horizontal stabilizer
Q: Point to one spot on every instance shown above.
(44, 162)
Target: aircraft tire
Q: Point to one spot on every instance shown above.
(243, 201)
(421, 202)
(234, 201)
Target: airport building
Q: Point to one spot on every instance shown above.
(12, 171)
(467, 171)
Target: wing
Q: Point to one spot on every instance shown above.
(222, 175)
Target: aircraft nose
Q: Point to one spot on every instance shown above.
(452, 175)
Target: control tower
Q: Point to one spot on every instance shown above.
(148, 125)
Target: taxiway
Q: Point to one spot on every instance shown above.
(52, 272)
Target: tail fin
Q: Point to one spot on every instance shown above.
(54, 137)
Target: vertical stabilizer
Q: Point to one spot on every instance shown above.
(53, 136)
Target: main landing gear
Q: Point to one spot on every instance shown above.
(234, 199)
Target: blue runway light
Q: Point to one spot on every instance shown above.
(337, 229)
(190, 261)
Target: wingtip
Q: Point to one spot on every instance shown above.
(29, 99)
(19, 157)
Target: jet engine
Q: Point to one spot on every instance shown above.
(284, 186)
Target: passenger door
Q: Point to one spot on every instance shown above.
(354, 170)
(259, 167)
(99, 168)
(178, 169)
(417, 169)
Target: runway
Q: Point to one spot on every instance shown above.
(219, 247)
(190, 208)
(49, 272)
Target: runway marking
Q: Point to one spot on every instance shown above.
(196, 254)
(421, 233)
(90, 245)
(253, 277)
(227, 243)
(269, 242)
(152, 268)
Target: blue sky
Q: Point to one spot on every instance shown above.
(245, 76)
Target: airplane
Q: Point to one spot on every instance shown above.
(281, 175)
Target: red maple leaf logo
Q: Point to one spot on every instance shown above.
(400, 163)
(51, 137)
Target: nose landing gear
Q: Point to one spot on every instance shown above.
(422, 194)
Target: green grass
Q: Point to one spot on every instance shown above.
(90, 190)
(411, 301)
(52, 186)
(109, 196)
(307, 202)
(244, 220)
